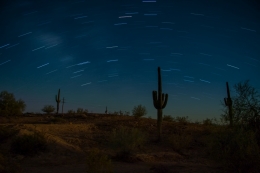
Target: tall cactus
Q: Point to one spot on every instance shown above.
(57, 98)
(159, 102)
(228, 103)
(62, 106)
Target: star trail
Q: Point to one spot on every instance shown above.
(106, 53)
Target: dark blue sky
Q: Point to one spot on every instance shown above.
(106, 53)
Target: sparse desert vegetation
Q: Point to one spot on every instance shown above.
(88, 142)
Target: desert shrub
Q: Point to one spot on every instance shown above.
(237, 149)
(6, 133)
(126, 141)
(180, 141)
(139, 111)
(8, 166)
(126, 113)
(168, 118)
(182, 120)
(207, 122)
(56, 120)
(29, 145)
(71, 111)
(9, 106)
(97, 162)
(48, 109)
(80, 110)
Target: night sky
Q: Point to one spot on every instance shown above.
(106, 53)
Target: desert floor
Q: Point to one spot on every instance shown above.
(71, 138)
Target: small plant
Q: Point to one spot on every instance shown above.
(29, 144)
(48, 109)
(126, 141)
(71, 111)
(180, 141)
(97, 162)
(168, 118)
(182, 120)
(80, 111)
(139, 111)
(207, 122)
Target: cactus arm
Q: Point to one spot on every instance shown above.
(165, 101)
(155, 102)
(228, 93)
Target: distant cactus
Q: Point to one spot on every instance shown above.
(106, 110)
(63, 101)
(228, 102)
(159, 102)
(57, 98)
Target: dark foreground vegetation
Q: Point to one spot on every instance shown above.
(103, 140)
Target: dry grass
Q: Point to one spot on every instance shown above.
(100, 138)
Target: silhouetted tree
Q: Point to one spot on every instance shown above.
(9, 106)
(48, 109)
(246, 106)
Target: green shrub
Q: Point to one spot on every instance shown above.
(168, 118)
(237, 149)
(126, 141)
(97, 162)
(139, 111)
(29, 145)
(48, 109)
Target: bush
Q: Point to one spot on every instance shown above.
(237, 149)
(29, 145)
(126, 140)
(48, 109)
(182, 120)
(71, 111)
(178, 142)
(9, 106)
(97, 162)
(139, 111)
(167, 118)
(207, 122)
(8, 165)
(6, 133)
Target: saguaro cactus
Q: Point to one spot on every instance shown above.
(159, 102)
(62, 105)
(228, 102)
(57, 98)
